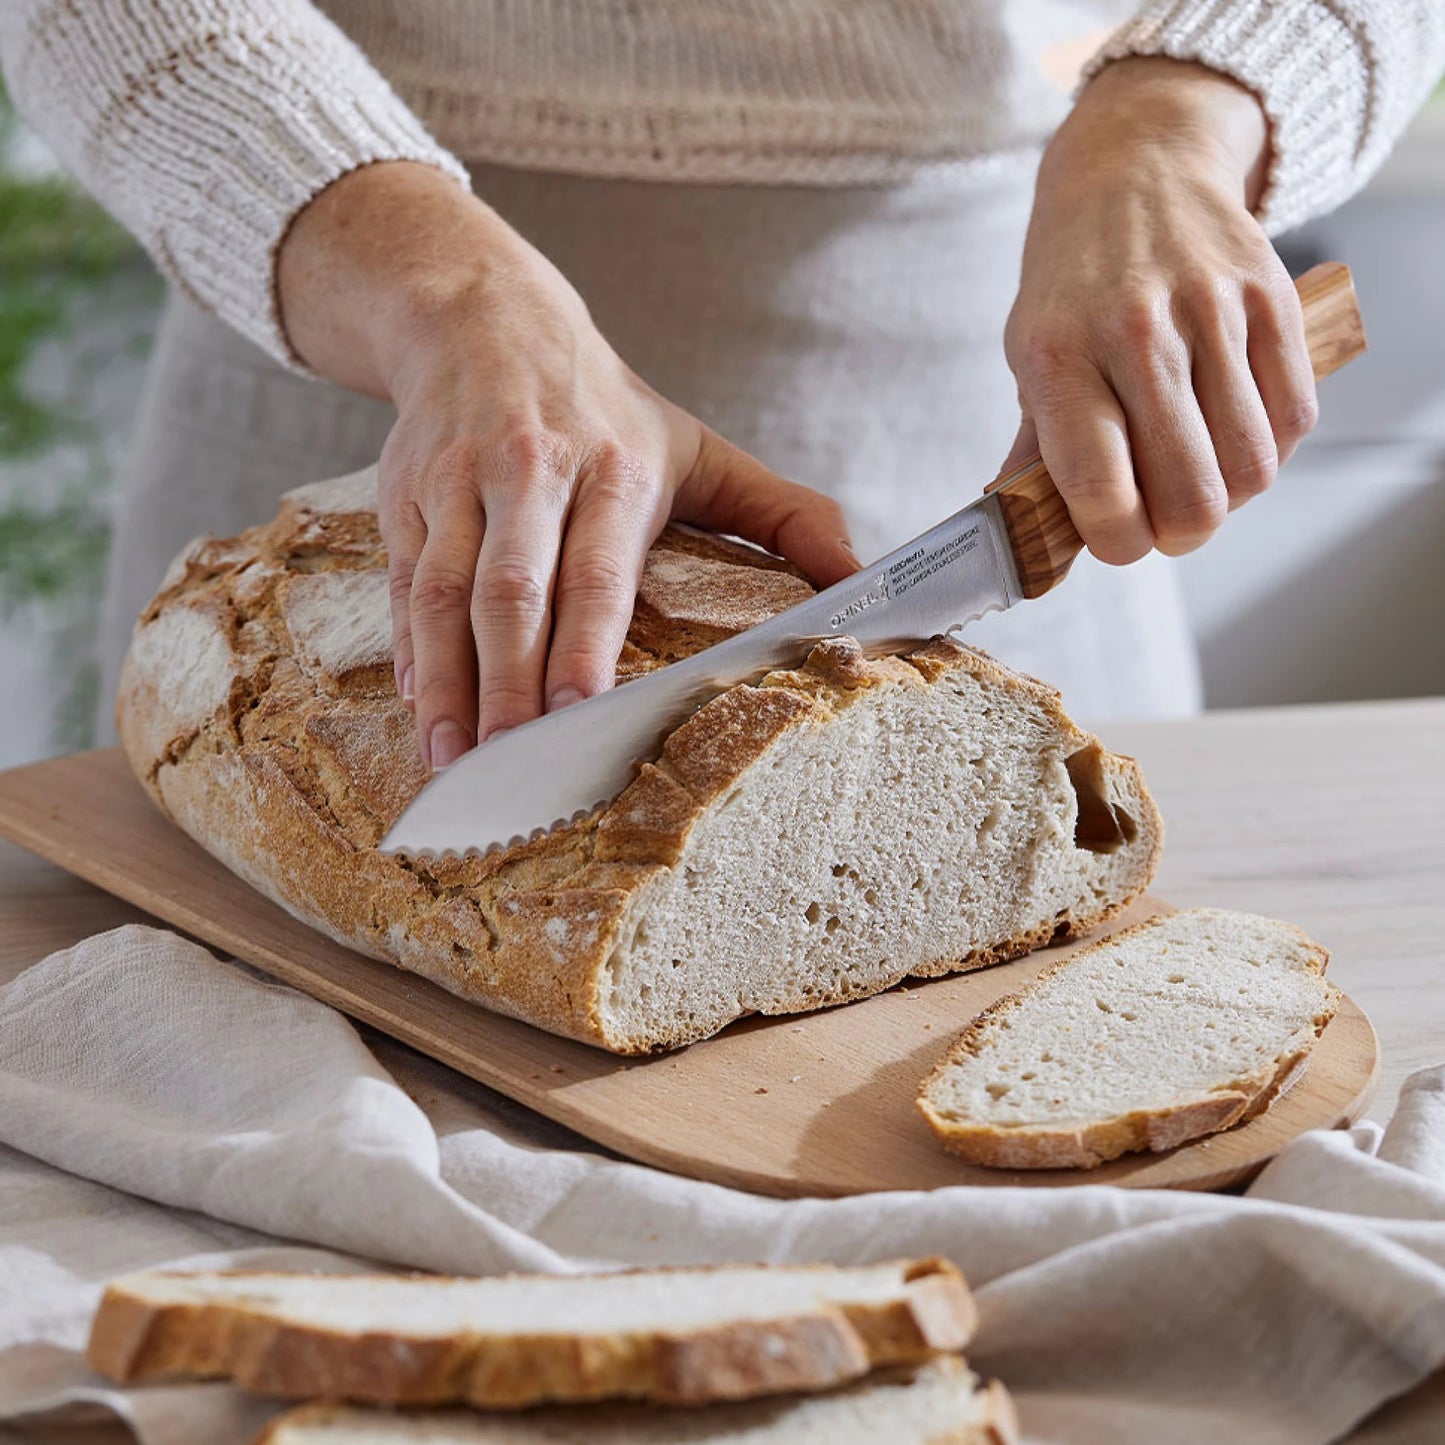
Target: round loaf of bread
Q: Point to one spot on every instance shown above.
(802, 842)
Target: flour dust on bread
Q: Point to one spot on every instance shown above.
(1170, 1030)
(809, 840)
(682, 1336)
(940, 1403)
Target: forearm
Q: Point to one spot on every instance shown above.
(384, 254)
(205, 126)
(1338, 81)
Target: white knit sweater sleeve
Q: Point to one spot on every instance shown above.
(1338, 79)
(204, 126)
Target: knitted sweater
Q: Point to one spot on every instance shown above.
(206, 125)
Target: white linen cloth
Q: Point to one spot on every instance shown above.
(164, 1108)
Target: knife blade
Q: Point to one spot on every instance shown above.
(1014, 542)
(504, 791)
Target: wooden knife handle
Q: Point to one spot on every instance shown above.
(1040, 532)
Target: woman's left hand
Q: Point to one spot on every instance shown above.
(1157, 340)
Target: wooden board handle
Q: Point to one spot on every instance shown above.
(1040, 531)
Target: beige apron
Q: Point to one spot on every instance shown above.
(850, 337)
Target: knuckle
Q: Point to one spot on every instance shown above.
(505, 704)
(1298, 416)
(459, 460)
(574, 668)
(1096, 499)
(1204, 295)
(1104, 509)
(619, 477)
(527, 451)
(810, 509)
(436, 591)
(1042, 352)
(512, 586)
(1164, 374)
(1136, 322)
(444, 692)
(831, 513)
(600, 577)
(1117, 550)
(504, 698)
(1251, 471)
(1192, 517)
(1115, 537)
(613, 462)
(399, 517)
(1270, 289)
(399, 472)
(400, 573)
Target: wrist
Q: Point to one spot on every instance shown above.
(374, 261)
(1185, 111)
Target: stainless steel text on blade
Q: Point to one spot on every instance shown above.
(562, 766)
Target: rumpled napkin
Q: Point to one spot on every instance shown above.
(164, 1108)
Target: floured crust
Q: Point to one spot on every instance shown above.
(133, 1338)
(258, 707)
(1153, 1130)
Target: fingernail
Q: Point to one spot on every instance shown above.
(846, 547)
(449, 740)
(564, 697)
(408, 678)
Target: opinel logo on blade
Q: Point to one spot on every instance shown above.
(877, 593)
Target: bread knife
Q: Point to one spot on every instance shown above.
(1014, 542)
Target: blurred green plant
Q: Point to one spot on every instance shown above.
(61, 259)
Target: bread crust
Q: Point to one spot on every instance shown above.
(257, 706)
(994, 1422)
(1140, 1130)
(133, 1339)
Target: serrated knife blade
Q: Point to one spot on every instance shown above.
(1015, 542)
(558, 768)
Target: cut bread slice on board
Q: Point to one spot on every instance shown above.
(941, 1403)
(683, 1336)
(1175, 1028)
(803, 842)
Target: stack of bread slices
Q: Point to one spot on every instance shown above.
(759, 1354)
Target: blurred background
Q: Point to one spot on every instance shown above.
(1330, 587)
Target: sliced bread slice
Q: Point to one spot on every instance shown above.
(941, 1403)
(1175, 1028)
(683, 1336)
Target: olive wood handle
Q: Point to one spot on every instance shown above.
(1040, 531)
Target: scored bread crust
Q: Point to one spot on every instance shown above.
(136, 1338)
(258, 707)
(1157, 1130)
(993, 1418)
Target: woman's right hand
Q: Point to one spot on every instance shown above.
(529, 469)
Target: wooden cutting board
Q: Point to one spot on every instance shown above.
(820, 1104)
